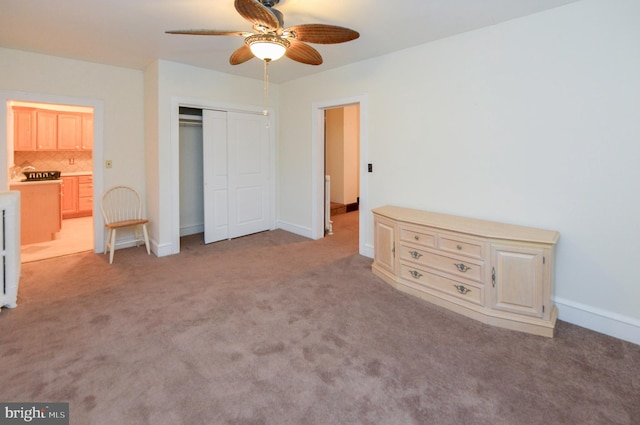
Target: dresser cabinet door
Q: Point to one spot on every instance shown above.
(384, 253)
(518, 279)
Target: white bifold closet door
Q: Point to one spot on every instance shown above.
(236, 174)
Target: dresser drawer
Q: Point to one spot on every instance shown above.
(420, 278)
(462, 246)
(417, 236)
(470, 269)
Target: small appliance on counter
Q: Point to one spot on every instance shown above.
(41, 175)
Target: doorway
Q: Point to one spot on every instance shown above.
(70, 128)
(365, 221)
(342, 159)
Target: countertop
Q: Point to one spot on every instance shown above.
(31, 183)
(77, 173)
(22, 181)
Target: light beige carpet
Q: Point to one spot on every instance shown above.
(274, 328)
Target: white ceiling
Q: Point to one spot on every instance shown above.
(131, 33)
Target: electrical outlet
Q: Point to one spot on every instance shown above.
(108, 163)
(72, 161)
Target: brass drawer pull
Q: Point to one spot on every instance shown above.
(462, 267)
(417, 237)
(415, 254)
(459, 246)
(415, 274)
(462, 289)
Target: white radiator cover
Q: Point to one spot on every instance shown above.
(10, 264)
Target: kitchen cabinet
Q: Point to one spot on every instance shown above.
(499, 274)
(69, 131)
(87, 132)
(47, 130)
(24, 129)
(85, 195)
(40, 217)
(69, 196)
(77, 196)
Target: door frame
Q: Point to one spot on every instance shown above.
(98, 149)
(365, 223)
(198, 103)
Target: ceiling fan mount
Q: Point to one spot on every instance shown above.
(269, 3)
(270, 39)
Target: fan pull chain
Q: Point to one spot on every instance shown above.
(265, 111)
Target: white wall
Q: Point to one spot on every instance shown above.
(119, 89)
(535, 121)
(114, 93)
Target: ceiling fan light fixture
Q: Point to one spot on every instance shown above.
(267, 47)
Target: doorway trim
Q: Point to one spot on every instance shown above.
(98, 147)
(198, 103)
(317, 168)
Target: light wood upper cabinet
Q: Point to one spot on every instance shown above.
(87, 132)
(47, 130)
(69, 131)
(40, 129)
(24, 129)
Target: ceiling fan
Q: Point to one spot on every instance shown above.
(270, 40)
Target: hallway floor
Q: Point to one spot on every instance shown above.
(76, 236)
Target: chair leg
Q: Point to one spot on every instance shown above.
(136, 235)
(146, 238)
(106, 241)
(113, 244)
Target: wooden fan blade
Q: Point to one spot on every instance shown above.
(303, 53)
(207, 32)
(322, 34)
(259, 15)
(241, 55)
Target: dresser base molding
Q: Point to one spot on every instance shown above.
(528, 325)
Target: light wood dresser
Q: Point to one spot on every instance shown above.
(499, 274)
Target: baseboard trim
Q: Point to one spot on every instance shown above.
(368, 251)
(161, 250)
(294, 228)
(598, 320)
(191, 230)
